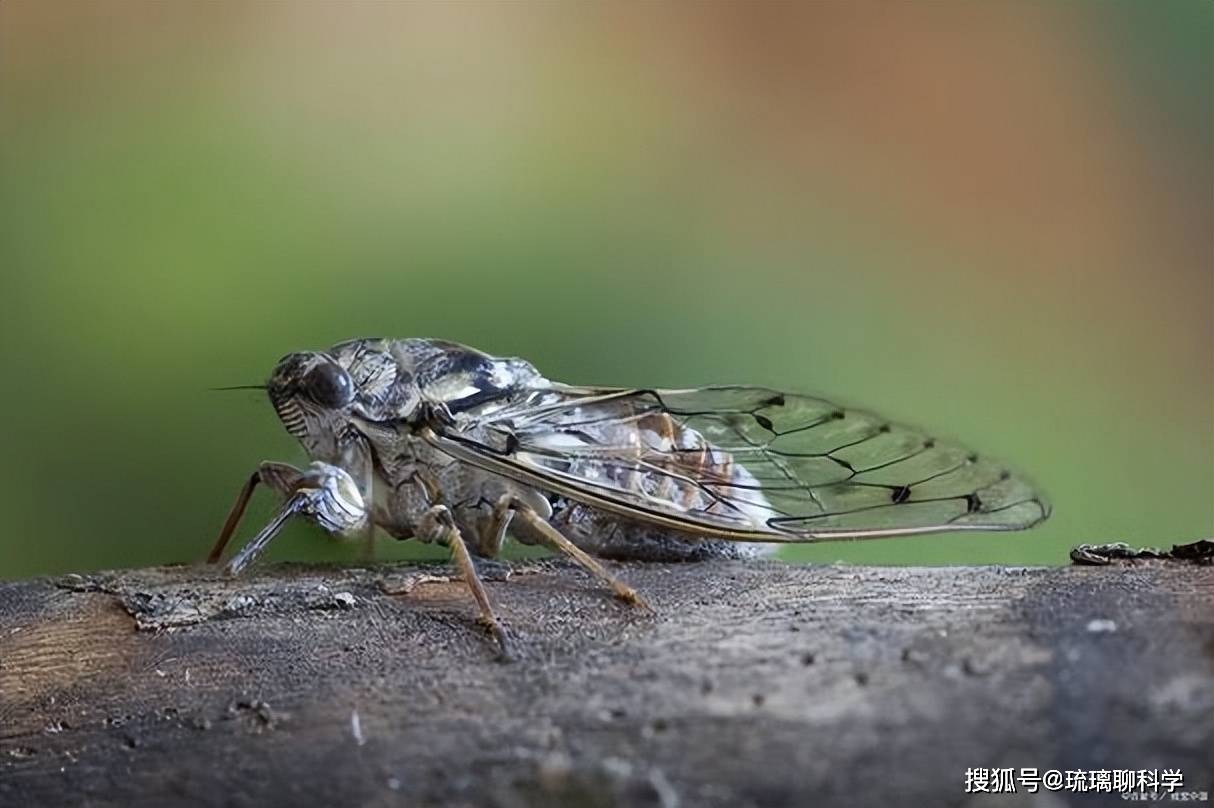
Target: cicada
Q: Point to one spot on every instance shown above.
(431, 440)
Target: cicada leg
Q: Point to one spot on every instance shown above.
(282, 477)
(326, 494)
(487, 539)
(234, 515)
(535, 528)
(438, 526)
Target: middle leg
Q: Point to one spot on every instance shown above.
(438, 526)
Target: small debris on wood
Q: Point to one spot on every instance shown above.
(1101, 555)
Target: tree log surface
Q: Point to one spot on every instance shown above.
(751, 684)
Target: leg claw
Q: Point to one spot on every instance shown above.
(630, 596)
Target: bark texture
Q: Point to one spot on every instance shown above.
(752, 684)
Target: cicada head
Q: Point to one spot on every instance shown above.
(312, 394)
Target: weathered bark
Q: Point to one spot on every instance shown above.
(753, 684)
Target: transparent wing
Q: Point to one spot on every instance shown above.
(746, 463)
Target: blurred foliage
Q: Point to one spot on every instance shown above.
(991, 221)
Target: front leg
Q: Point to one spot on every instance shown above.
(437, 525)
(324, 493)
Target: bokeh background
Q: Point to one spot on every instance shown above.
(992, 219)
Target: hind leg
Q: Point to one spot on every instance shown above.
(532, 528)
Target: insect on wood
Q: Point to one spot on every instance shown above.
(428, 439)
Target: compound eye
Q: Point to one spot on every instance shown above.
(329, 385)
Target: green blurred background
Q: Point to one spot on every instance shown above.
(990, 219)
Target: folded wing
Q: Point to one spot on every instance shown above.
(747, 463)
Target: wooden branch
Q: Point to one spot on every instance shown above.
(753, 684)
